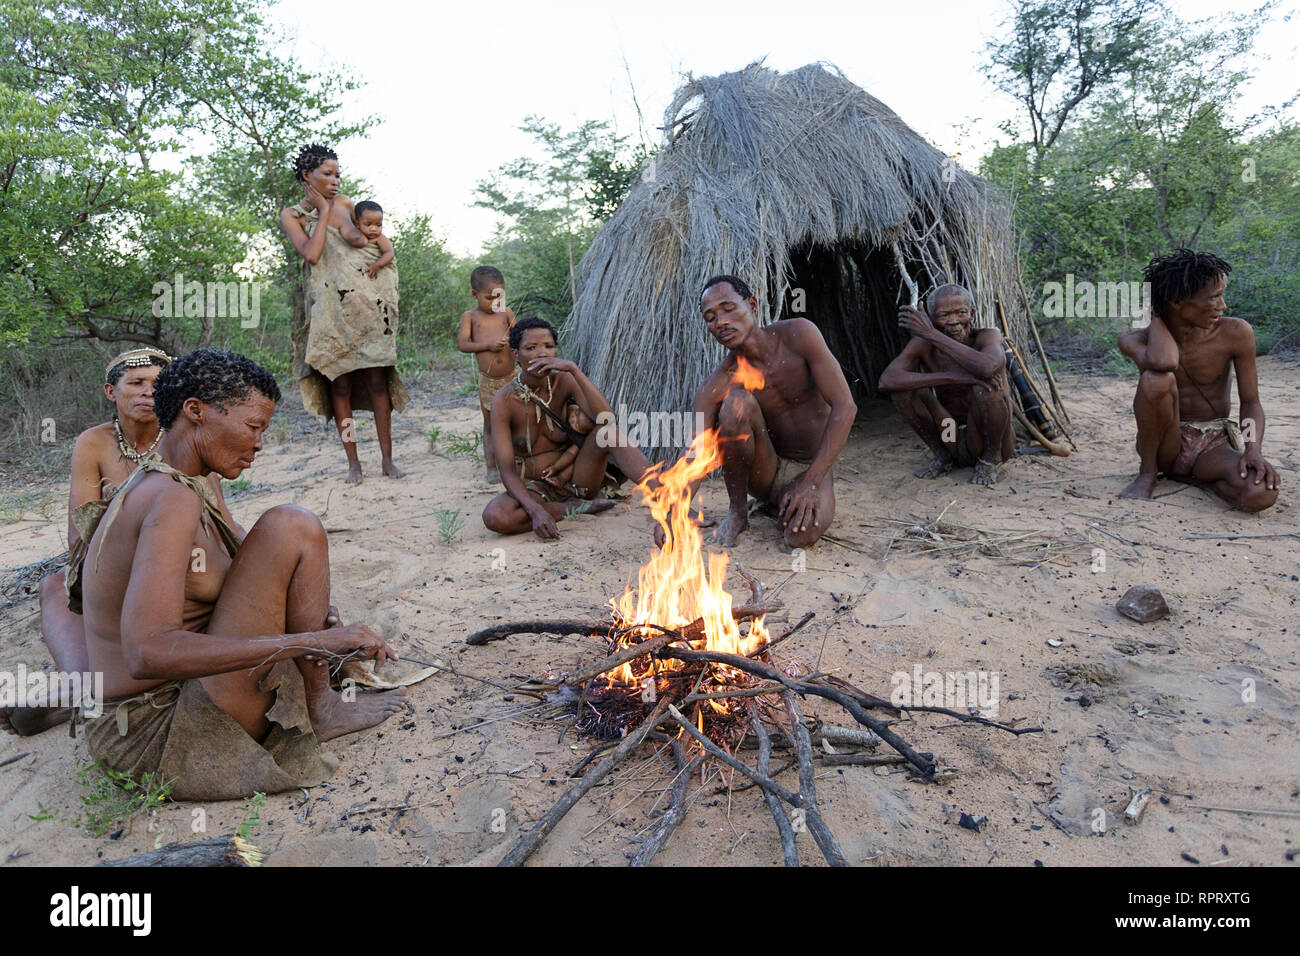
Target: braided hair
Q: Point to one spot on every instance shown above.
(309, 157)
(1180, 275)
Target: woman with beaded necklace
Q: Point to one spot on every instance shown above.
(103, 457)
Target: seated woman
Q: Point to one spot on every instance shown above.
(212, 647)
(102, 459)
(538, 421)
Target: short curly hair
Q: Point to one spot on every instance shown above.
(524, 325)
(214, 377)
(738, 284)
(484, 277)
(311, 156)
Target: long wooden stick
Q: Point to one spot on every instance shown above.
(924, 766)
(536, 627)
(788, 850)
(767, 784)
(218, 851)
(1048, 409)
(1234, 537)
(676, 811)
(817, 825)
(1270, 813)
(860, 760)
(1042, 353)
(1055, 448)
(530, 841)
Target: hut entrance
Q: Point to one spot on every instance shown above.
(851, 293)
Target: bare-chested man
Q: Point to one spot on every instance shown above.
(102, 458)
(542, 422)
(779, 437)
(192, 628)
(950, 384)
(1184, 396)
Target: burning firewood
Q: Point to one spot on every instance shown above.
(680, 656)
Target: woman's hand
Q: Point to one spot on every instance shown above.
(545, 366)
(544, 525)
(358, 642)
(314, 200)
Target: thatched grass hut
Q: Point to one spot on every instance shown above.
(793, 181)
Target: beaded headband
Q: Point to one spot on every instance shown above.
(133, 358)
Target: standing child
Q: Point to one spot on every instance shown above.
(485, 331)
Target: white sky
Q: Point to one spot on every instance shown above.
(452, 82)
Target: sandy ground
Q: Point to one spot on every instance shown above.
(1122, 705)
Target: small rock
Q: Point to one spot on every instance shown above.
(1085, 700)
(1188, 857)
(1143, 604)
(970, 822)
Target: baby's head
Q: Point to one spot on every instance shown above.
(488, 286)
(369, 217)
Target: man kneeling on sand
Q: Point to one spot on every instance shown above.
(950, 385)
(543, 420)
(783, 411)
(1184, 396)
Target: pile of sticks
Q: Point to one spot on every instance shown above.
(770, 709)
(936, 536)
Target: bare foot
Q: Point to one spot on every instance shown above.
(493, 475)
(585, 506)
(391, 469)
(940, 464)
(332, 716)
(986, 473)
(29, 721)
(732, 527)
(354, 475)
(1143, 486)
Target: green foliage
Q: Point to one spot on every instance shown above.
(551, 208)
(465, 446)
(102, 196)
(1128, 149)
(434, 432)
(434, 284)
(449, 524)
(115, 797)
(576, 510)
(251, 817)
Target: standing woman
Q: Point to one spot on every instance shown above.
(350, 361)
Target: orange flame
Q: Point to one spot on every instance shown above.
(676, 587)
(747, 377)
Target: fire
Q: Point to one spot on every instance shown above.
(676, 586)
(747, 377)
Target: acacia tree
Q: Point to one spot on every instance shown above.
(1056, 54)
(552, 207)
(98, 198)
(1126, 146)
